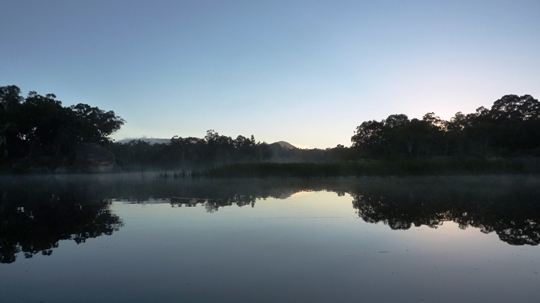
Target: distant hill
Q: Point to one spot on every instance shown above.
(149, 140)
(284, 144)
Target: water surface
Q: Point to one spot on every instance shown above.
(133, 238)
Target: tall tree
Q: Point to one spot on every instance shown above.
(40, 125)
(10, 100)
(96, 125)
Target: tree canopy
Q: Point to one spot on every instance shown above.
(511, 126)
(40, 126)
(185, 152)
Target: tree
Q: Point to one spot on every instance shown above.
(96, 125)
(40, 126)
(41, 122)
(517, 122)
(368, 136)
(10, 100)
(516, 108)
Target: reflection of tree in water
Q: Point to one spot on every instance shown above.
(211, 194)
(513, 212)
(213, 204)
(507, 206)
(35, 216)
(34, 220)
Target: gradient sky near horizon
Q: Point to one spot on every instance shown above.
(307, 72)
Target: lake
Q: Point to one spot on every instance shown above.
(138, 238)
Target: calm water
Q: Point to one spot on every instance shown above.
(133, 238)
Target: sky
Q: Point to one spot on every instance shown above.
(307, 72)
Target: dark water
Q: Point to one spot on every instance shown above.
(128, 238)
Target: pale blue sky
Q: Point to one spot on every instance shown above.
(306, 72)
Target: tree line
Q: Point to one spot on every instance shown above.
(215, 150)
(39, 126)
(510, 127)
(191, 151)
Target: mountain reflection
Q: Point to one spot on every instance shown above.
(36, 216)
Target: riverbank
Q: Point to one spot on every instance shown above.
(452, 166)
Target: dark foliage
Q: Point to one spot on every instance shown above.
(35, 217)
(39, 126)
(401, 167)
(511, 210)
(185, 153)
(510, 128)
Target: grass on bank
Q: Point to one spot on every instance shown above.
(372, 168)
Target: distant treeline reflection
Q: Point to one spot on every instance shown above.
(508, 206)
(36, 213)
(212, 194)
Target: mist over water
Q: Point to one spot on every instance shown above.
(135, 238)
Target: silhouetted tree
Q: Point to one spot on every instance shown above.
(40, 126)
(10, 101)
(511, 125)
(184, 153)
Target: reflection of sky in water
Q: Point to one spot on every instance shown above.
(311, 247)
